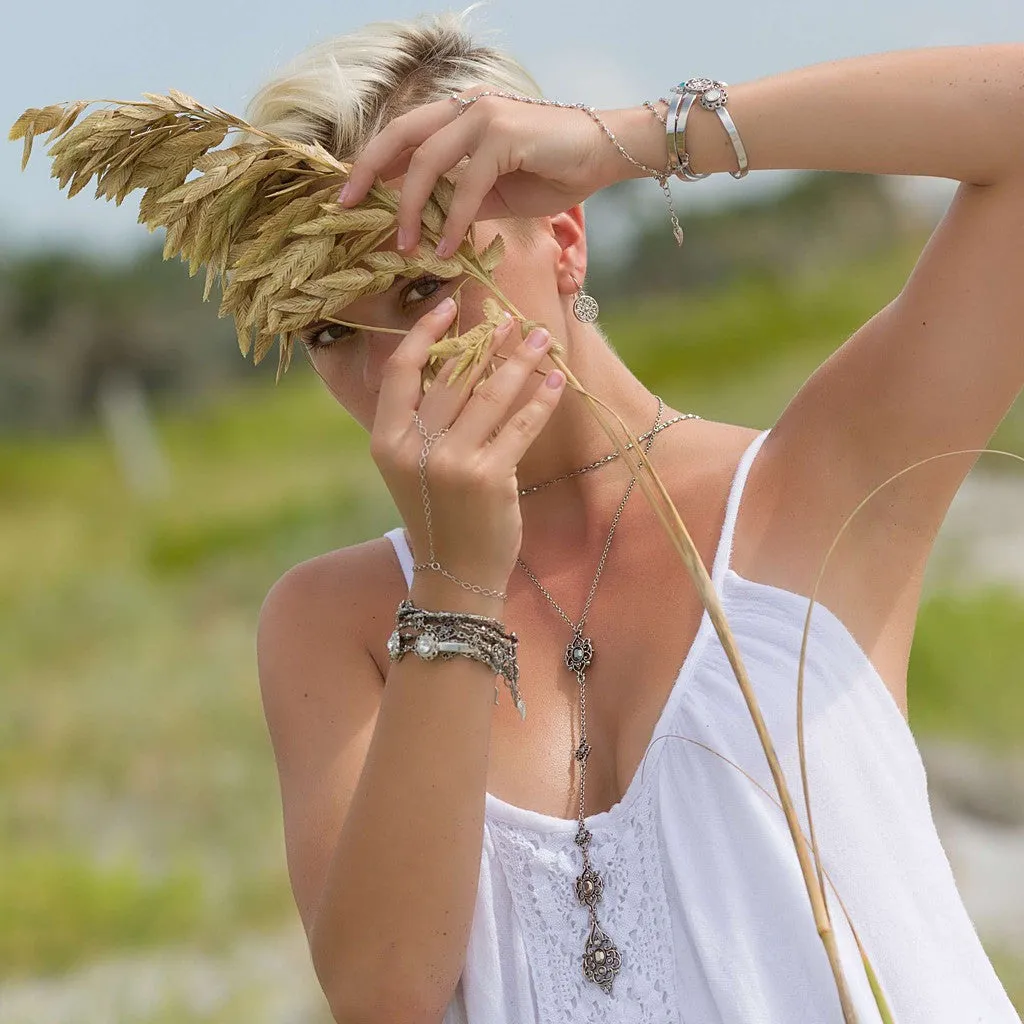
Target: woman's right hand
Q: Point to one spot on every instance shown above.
(471, 477)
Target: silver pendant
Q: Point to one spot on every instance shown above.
(601, 960)
(579, 653)
(585, 308)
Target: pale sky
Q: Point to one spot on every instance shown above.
(607, 55)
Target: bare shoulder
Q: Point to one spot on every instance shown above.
(337, 596)
(321, 686)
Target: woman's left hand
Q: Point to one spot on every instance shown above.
(525, 160)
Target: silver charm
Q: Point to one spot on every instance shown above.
(601, 960)
(579, 653)
(589, 887)
(584, 306)
(395, 645)
(427, 646)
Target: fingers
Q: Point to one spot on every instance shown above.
(438, 154)
(407, 131)
(445, 401)
(525, 425)
(402, 375)
(490, 402)
(423, 144)
(475, 181)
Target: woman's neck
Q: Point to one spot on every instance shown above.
(575, 513)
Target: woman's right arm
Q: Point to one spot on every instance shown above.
(383, 789)
(383, 795)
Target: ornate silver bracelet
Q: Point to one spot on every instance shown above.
(432, 634)
(713, 97)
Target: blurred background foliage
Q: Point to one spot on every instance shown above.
(153, 485)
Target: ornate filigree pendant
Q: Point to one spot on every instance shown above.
(585, 308)
(579, 653)
(601, 960)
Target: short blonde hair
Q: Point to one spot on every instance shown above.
(342, 92)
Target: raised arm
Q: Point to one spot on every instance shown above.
(938, 367)
(934, 371)
(949, 112)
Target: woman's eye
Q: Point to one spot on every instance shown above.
(421, 284)
(330, 334)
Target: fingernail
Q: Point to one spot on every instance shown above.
(446, 305)
(442, 249)
(505, 321)
(342, 194)
(555, 379)
(537, 338)
(403, 238)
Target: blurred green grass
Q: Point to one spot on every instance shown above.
(138, 798)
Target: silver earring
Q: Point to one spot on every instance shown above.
(584, 306)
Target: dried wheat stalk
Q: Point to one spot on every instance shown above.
(262, 217)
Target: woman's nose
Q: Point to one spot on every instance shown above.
(377, 352)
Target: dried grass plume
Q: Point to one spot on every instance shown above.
(260, 214)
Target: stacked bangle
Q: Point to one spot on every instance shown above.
(713, 96)
(432, 634)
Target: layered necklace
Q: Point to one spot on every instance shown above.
(602, 960)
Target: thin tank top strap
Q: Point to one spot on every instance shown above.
(397, 538)
(724, 552)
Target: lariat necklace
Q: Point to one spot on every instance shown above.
(601, 959)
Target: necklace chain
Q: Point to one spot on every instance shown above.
(610, 457)
(601, 959)
(578, 628)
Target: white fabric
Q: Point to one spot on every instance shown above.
(703, 893)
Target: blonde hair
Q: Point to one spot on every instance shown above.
(342, 92)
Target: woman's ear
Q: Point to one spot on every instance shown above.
(570, 232)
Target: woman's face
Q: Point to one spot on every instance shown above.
(351, 361)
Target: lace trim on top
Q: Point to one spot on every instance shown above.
(540, 870)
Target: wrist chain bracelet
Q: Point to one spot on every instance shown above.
(432, 634)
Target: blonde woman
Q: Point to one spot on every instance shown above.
(434, 838)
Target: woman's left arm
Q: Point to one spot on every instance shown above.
(948, 112)
(938, 367)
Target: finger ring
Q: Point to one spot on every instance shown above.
(429, 438)
(461, 102)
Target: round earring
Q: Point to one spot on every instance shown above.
(584, 306)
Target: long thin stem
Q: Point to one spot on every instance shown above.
(876, 987)
(806, 635)
(665, 510)
(635, 458)
(691, 559)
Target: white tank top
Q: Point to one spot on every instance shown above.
(703, 893)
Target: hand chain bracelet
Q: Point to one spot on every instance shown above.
(712, 97)
(432, 562)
